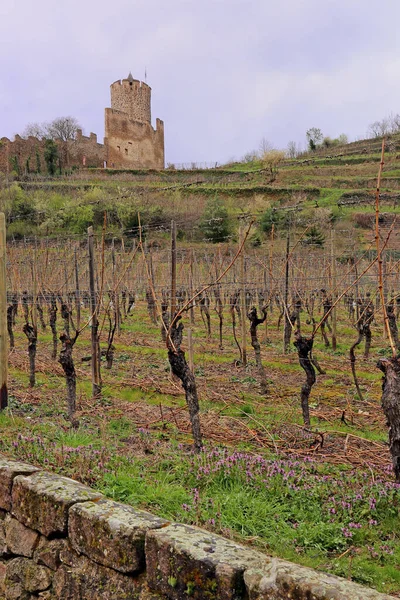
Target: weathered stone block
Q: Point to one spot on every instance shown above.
(20, 540)
(23, 575)
(3, 567)
(281, 580)
(110, 533)
(91, 581)
(186, 562)
(42, 501)
(69, 557)
(47, 552)
(147, 594)
(3, 545)
(9, 469)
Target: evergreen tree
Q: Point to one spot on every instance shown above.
(314, 237)
(38, 163)
(215, 221)
(271, 217)
(51, 156)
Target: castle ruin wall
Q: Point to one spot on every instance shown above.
(26, 155)
(133, 144)
(130, 140)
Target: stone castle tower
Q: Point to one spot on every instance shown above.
(130, 140)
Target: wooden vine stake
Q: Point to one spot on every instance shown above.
(379, 253)
(3, 317)
(95, 360)
(190, 350)
(389, 366)
(288, 325)
(173, 270)
(333, 278)
(243, 301)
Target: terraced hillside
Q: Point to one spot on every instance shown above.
(333, 185)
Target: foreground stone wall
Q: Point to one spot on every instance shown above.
(62, 540)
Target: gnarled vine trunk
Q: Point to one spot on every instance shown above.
(254, 323)
(180, 369)
(391, 407)
(67, 362)
(31, 333)
(10, 323)
(353, 360)
(304, 349)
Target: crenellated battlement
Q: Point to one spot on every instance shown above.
(131, 83)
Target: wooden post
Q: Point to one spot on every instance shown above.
(190, 350)
(173, 270)
(333, 278)
(243, 303)
(96, 378)
(357, 288)
(77, 292)
(35, 294)
(269, 292)
(385, 279)
(3, 317)
(191, 287)
(288, 325)
(115, 290)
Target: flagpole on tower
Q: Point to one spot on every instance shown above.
(145, 74)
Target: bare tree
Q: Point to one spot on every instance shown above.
(379, 128)
(343, 139)
(265, 146)
(292, 150)
(61, 128)
(314, 137)
(386, 126)
(250, 157)
(271, 161)
(394, 122)
(37, 130)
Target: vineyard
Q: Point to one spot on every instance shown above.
(233, 385)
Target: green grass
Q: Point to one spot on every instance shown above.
(298, 510)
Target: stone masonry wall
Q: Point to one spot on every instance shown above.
(83, 151)
(86, 151)
(21, 150)
(62, 540)
(132, 97)
(132, 144)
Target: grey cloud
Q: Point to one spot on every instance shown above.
(224, 73)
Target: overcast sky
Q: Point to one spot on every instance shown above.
(224, 73)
